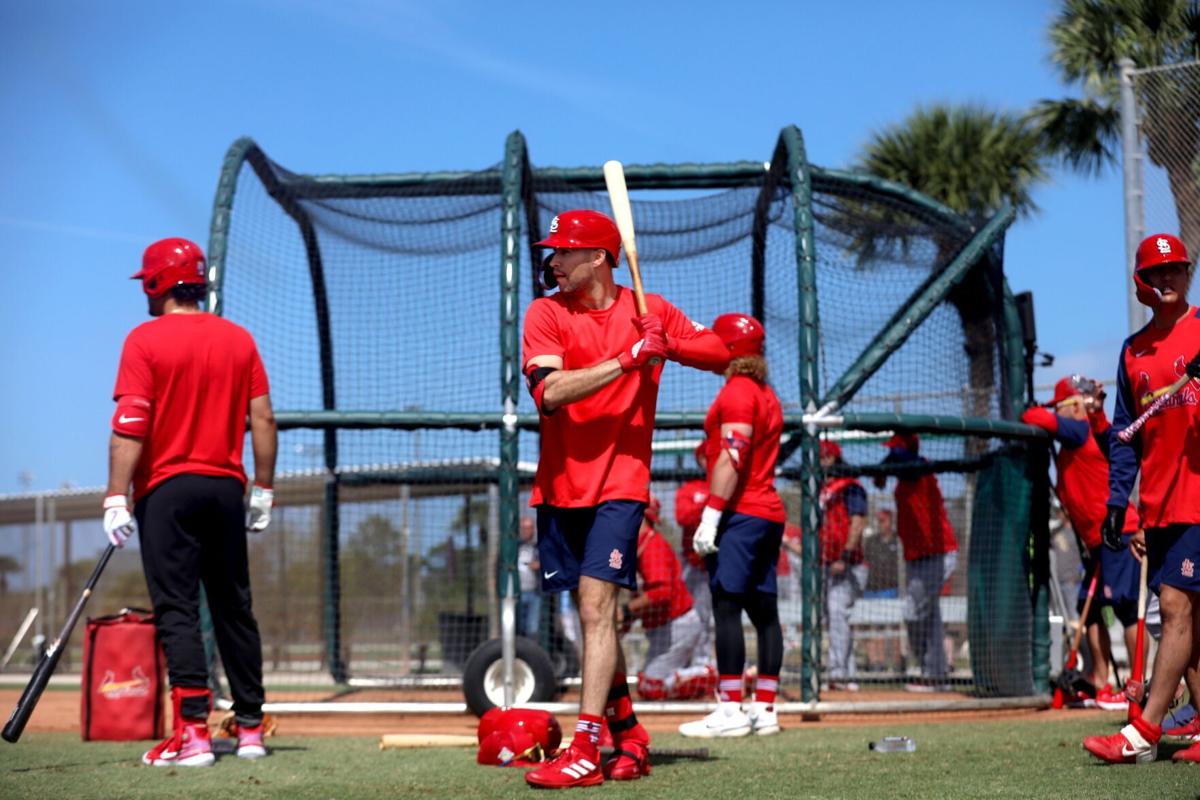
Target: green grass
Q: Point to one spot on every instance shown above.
(1025, 759)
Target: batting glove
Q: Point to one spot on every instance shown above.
(1110, 531)
(119, 524)
(262, 499)
(651, 347)
(1193, 367)
(704, 542)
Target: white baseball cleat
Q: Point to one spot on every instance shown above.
(763, 719)
(727, 721)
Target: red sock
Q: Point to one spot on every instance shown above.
(1149, 731)
(587, 735)
(618, 712)
(729, 690)
(765, 689)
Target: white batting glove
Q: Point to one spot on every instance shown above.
(704, 542)
(119, 524)
(261, 501)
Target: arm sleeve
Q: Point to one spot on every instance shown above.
(856, 500)
(1123, 459)
(691, 344)
(134, 375)
(541, 333)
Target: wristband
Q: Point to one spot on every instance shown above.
(717, 502)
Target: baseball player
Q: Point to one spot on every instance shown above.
(1166, 451)
(593, 365)
(740, 531)
(186, 384)
(930, 556)
(678, 663)
(690, 499)
(1081, 428)
(843, 517)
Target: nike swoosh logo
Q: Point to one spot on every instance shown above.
(124, 419)
(549, 575)
(1125, 751)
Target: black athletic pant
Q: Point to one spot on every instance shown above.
(193, 530)
(763, 610)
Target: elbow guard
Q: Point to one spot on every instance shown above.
(535, 379)
(132, 417)
(738, 447)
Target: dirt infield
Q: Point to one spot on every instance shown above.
(58, 712)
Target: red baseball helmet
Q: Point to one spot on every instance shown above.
(741, 333)
(583, 228)
(1154, 251)
(540, 725)
(509, 748)
(907, 441)
(171, 262)
(829, 448)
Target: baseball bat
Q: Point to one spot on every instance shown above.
(49, 660)
(699, 753)
(16, 640)
(1135, 688)
(405, 741)
(1087, 605)
(1154, 408)
(618, 196)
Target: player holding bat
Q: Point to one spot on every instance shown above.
(187, 382)
(1167, 453)
(593, 363)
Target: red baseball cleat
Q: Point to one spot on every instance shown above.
(570, 768)
(1191, 754)
(630, 761)
(1188, 731)
(1109, 700)
(1136, 743)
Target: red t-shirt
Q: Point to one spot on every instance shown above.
(662, 580)
(746, 401)
(921, 521)
(1152, 360)
(598, 448)
(690, 499)
(840, 499)
(199, 373)
(790, 533)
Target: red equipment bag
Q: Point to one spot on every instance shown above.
(122, 678)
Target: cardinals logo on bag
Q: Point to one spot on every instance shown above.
(1188, 568)
(112, 689)
(614, 559)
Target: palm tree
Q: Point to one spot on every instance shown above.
(973, 160)
(1089, 37)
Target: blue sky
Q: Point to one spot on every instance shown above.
(117, 116)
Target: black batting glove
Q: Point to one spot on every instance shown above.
(1110, 531)
(1193, 367)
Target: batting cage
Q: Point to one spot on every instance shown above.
(388, 309)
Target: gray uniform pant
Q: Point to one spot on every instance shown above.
(696, 580)
(923, 611)
(841, 591)
(674, 646)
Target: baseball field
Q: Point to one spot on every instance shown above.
(1013, 754)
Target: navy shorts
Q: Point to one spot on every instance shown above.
(1120, 575)
(748, 550)
(1174, 554)
(598, 541)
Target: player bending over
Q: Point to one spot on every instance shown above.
(188, 380)
(1167, 453)
(1082, 430)
(740, 531)
(593, 365)
(678, 662)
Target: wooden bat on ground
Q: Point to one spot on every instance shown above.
(1135, 688)
(618, 196)
(49, 660)
(404, 741)
(1154, 408)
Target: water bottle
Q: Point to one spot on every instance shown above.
(894, 744)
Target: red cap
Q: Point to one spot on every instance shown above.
(584, 228)
(1161, 248)
(511, 748)
(829, 448)
(741, 333)
(171, 262)
(908, 441)
(1065, 388)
